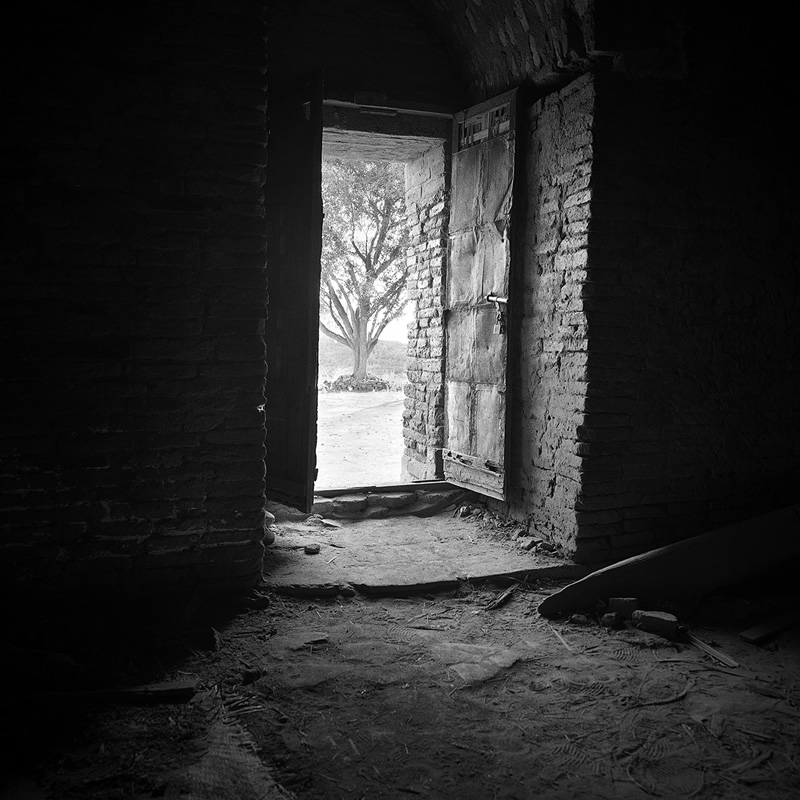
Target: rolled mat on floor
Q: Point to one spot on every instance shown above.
(689, 568)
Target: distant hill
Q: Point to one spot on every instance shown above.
(335, 359)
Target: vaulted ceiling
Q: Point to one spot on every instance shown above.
(501, 43)
(429, 53)
(442, 55)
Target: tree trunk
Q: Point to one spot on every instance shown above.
(360, 351)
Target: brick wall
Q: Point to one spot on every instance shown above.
(134, 298)
(691, 310)
(423, 416)
(660, 331)
(550, 384)
(659, 334)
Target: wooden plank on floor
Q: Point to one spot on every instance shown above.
(772, 626)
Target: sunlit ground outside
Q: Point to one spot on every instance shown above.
(360, 434)
(360, 438)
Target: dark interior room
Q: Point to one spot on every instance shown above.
(601, 389)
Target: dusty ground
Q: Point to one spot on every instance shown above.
(359, 439)
(432, 696)
(439, 698)
(402, 555)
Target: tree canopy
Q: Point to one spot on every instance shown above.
(364, 240)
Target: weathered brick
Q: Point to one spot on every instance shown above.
(141, 241)
(425, 200)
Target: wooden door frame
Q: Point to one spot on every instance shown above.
(294, 482)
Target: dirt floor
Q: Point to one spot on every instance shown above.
(359, 438)
(432, 696)
(401, 555)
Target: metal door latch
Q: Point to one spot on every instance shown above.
(500, 304)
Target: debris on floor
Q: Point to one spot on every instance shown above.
(714, 652)
(438, 696)
(660, 622)
(502, 598)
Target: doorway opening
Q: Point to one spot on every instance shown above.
(370, 405)
(362, 331)
(454, 402)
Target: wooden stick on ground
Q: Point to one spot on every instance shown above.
(723, 658)
(503, 598)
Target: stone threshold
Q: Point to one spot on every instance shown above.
(422, 499)
(390, 570)
(556, 572)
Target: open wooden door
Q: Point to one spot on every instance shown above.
(477, 296)
(294, 242)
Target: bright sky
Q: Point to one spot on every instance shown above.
(397, 330)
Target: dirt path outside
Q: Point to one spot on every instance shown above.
(359, 439)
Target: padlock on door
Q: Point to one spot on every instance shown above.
(500, 322)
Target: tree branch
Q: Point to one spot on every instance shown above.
(340, 325)
(335, 336)
(343, 293)
(364, 241)
(341, 316)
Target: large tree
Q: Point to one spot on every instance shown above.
(364, 239)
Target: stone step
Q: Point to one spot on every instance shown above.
(375, 505)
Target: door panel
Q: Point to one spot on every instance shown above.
(482, 182)
(488, 256)
(472, 354)
(294, 241)
(490, 403)
(479, 266)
